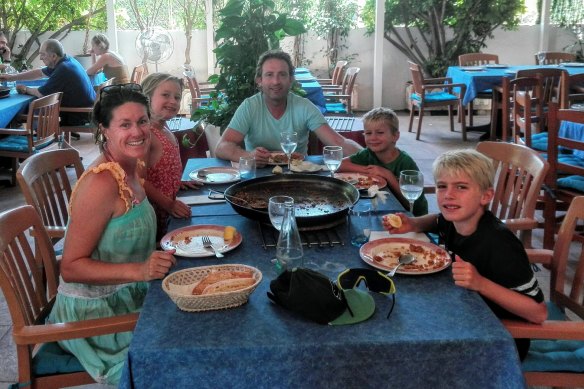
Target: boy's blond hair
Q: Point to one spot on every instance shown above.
(385, 115)
(477, 166)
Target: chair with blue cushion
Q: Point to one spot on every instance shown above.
(556, 355)
(572, 90)
(339, 101)
(435, 92)
(565, 179)
(199, 93)
(39, 132)
(29, 278)
(337, 76)
(477, 59)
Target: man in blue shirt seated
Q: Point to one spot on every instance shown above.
(65, 75)
(256, 126)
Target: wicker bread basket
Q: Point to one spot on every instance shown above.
(195, 303)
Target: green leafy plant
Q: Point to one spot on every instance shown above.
(247, 29)
(434, 33)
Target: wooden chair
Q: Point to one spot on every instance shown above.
(29, 278)
(554, 57)
(571, 90)
(549, 336)
(40, 131)
(337, 76)
(138, 74)
(533, 86)
(519, 175)
(88, 127)
(199, 95)
(340, 102)
(528, 112)
(425, 95)
(550, 84)
(566, 176)
(47, 185)
(477, 59)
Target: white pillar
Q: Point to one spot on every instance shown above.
(378, 53)
(112, 28)
(210, 37)
(544, 27)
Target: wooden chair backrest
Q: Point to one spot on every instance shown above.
(519, 175)
(349, 80)
(476, 59)
(550, 79)
(337, 76)
(417, 78)
(47, 185)
(510, 87)
(139, 72)
(555, 57)
(28, 272)
(42, 120)
(571, 89)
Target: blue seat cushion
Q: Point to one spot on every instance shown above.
(555, 355)
(435, 97)
(336, 107)
(539, 142)
(17, 143)
(52, 359)
(572, 182)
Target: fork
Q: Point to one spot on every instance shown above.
(208, 245)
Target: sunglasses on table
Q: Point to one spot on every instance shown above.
(119, 89)
(374, 280)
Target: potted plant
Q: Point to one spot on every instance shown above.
(247, 29)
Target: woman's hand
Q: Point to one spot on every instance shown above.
(158, 265)
(180, 210)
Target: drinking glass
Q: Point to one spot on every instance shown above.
(411, 184)
(360, 224)
(540, 58)
(276, 208)
(188, 70)
(288, 141)
(332, 156)
(247, 167)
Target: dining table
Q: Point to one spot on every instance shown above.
(438, 334)
(490, 78)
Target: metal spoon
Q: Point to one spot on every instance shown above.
(404, 259)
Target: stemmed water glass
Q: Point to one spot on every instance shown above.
(276, 208)
(332, 156)
(188, 70)
(288, 142)
(411, 184)
(540, 58)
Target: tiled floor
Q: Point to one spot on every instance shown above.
(435, 139)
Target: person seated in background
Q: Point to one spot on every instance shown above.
(109, 250)
(65, 75)
(4, 52)
(488, 257)
(164, 167)
(381, 157)
(256, 126)
(111, 63)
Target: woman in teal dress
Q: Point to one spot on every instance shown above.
(109, 252)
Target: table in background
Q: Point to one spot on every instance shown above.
(312, 88)
(12, 106)
(183, 127)
(573, 131)
(95, 79)
(438, 335)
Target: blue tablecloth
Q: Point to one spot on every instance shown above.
(574, 131)
(488, 78)
(96, 79)
(12, 106)
(312, 88)
(438, 335)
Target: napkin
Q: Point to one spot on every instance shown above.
(409, 235)
(375, 194)
(199, 199)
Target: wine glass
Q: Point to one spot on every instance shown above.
(411, 184)
(276, 208)
(188, 70)
(332, 156)
(288, 141)
(540, 58)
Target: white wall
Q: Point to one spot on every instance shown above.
(513, 47)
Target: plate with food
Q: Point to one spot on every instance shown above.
(362, 181)
(304, 166)
(188, 241)
(215, 175)
(279, 158)
(384, 254)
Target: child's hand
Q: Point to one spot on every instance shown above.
(466, 275)
(180, 210)
(397, 227)
(374, 170)
(184, 185)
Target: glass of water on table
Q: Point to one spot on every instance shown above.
(332, 157)
(411, 184)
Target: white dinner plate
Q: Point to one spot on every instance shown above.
(496, 66)
(383, 254)
(188, 240)
(362, 181)
(305, 167)
(573, 64)
(472, 68)
(509, 71)
(215, 175)
(577, 107)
